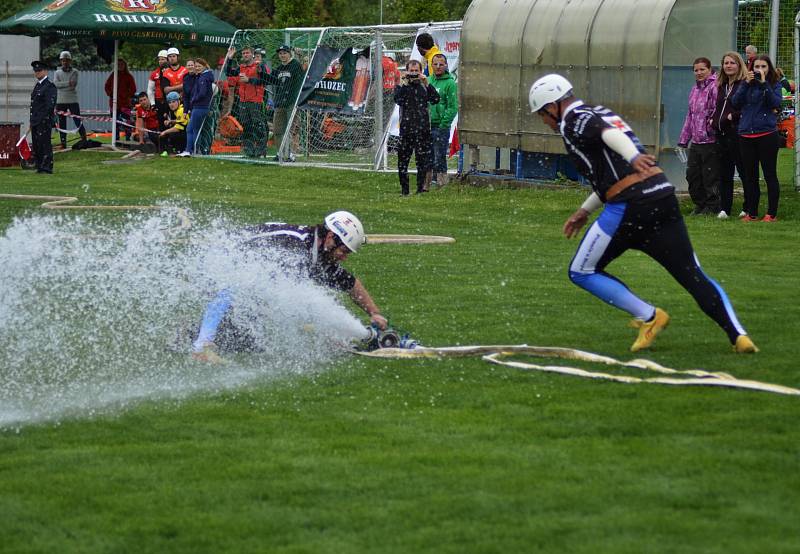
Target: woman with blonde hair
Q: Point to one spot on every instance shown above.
(725, 121)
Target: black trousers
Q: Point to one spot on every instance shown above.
(175, 142)
(419, 143)
(74, 109)
(42, 147)
(162, 109)
(730, 161)
(763, 151)
(702, 174)
(657, 229)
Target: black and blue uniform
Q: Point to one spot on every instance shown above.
(304, 257)
(643, 216)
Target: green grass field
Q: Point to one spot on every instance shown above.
(451, 455)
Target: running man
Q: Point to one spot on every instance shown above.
(321, 248)
(641, 212)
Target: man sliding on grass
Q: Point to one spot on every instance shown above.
(320, 249)
(641, 212)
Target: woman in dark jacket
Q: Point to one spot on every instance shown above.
(200, 100)
(413, 96)
(188, 84)
(725, 122)
(759, 101)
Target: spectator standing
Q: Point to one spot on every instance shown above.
(250, 86)
(155, 88)
(227, 87)
(43, 101)
(702, 169)
(750, 52)
(428, 49)
(391, 74)
(725, 122)
(287, 78)
(413, 96)
(126, 89)
(786, 84)
(442, 115)
(66, 81)
(174, 136)
(174, 72)
(759, 101)
(148, 121)
(202, 91)
(188, 83)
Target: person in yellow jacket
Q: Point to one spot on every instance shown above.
(174, 136)
(428, 49)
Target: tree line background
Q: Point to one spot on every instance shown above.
(254, 14)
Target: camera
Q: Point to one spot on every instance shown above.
(412, 76)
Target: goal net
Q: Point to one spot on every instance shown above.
(347, 99)
(241, 123)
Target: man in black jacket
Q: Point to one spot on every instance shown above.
(413, 96)
(43, 102)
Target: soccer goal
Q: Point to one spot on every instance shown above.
(345, 105)
(241, 119)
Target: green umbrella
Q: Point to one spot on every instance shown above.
(134, 20)
(175, 21)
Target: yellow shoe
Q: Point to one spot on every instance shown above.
(649, 329)
(744, 345)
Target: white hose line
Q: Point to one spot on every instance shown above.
(60, 203)
(493, 353)
(408, 239)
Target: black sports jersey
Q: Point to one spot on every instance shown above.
(581, 128)
(309, 260)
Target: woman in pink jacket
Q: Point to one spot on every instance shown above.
(702, 168)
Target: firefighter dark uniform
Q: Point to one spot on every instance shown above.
(43, 102)
(641, 213)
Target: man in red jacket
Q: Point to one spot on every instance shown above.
(251, 101)
(126, 88)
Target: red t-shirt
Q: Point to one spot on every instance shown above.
(391, 75)
(175, 76)
(150, 117)
(155, 76)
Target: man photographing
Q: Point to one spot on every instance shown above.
(413, 96)
(641, 212)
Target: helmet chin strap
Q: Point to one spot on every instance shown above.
(559, 113)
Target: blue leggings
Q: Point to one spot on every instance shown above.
(657, 229)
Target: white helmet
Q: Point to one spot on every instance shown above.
(173, 50)
(548, 89)
(65, 55)
(162, 54)
(348, 228)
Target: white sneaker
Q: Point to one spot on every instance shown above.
(722, 215)
(742, 214)
(184, 155)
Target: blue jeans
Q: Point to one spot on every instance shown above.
(441, 147)
(196, 120)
